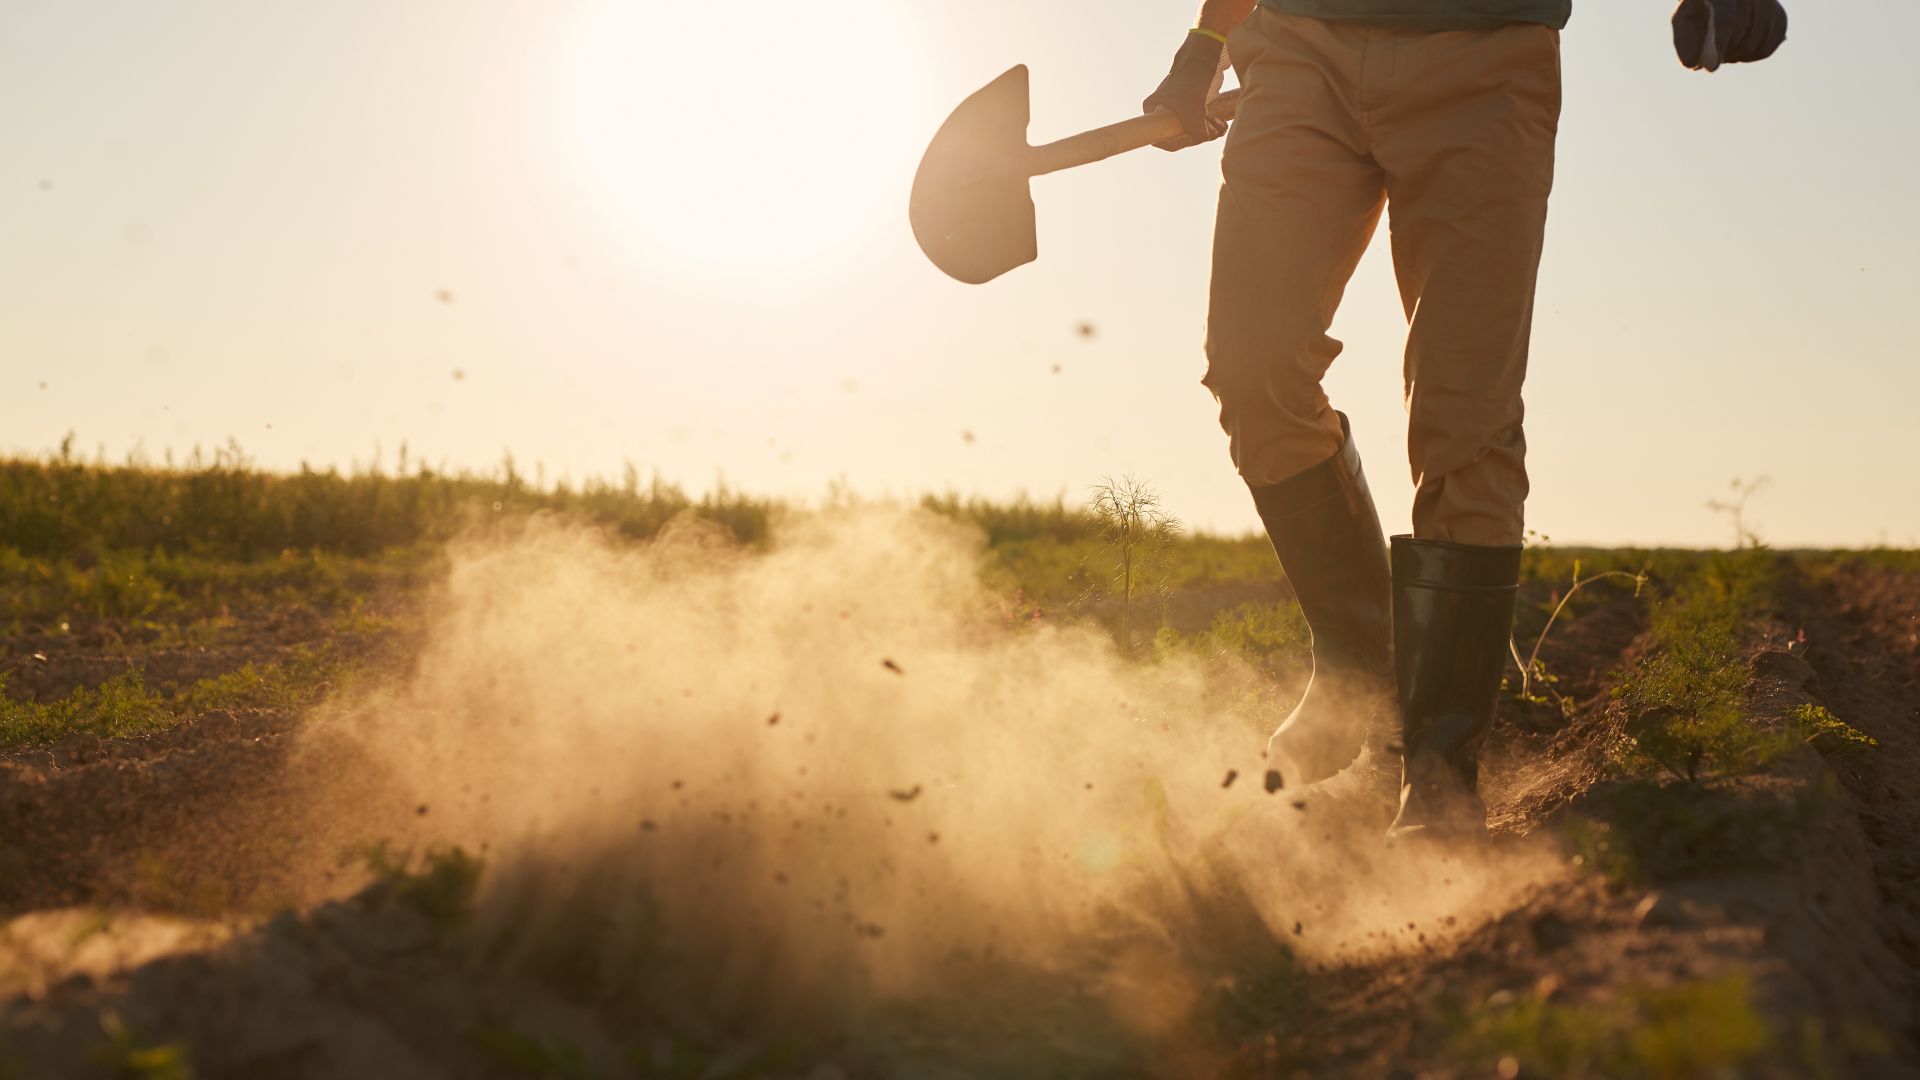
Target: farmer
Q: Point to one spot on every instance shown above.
(1442, 112)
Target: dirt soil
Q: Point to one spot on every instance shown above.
(1862, 625)
(164, 906)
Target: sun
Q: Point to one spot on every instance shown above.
(770, 144)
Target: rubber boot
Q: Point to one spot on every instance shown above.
(1452, 617)
(1327, 534)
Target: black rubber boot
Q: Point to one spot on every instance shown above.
(1452, 617)
(1327, 534)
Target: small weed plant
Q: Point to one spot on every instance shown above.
(1686, 796)
(1532, 671)
(1139, 533)
(1830, 733)
(1735, 508)
(1686, 700)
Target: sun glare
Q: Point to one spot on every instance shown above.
(729, 147)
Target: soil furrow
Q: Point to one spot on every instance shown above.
(1861, 624)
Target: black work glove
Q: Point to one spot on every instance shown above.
(1198, 69)
(1708, 33)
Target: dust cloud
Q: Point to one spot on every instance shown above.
(833, 787)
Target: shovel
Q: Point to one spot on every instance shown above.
(970, 207)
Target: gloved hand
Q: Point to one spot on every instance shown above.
(1198, 69)
(1708, 33)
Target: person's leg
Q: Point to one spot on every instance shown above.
(1299, 203)
(1467, 143)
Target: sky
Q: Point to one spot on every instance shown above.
(615, 232)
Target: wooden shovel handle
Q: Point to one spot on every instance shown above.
(1104, 142)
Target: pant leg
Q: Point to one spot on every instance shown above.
(1466, 137)
(1298, 204)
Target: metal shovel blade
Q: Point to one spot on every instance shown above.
(970, 208)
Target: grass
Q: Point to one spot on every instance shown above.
(138, 541)
(439, 883)
(1054, 573)
(288, 684)
(221, 507)
(124, 707)
(1898, 560)
(170, 556)
(1019, 520)
(157, 588)
(1687, 1030)
(1256, 632)
(119, 708)
(175, 556)
(1686, 700)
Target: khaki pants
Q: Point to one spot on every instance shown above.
(1453, 132)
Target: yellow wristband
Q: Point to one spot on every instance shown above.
(1214, 34)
